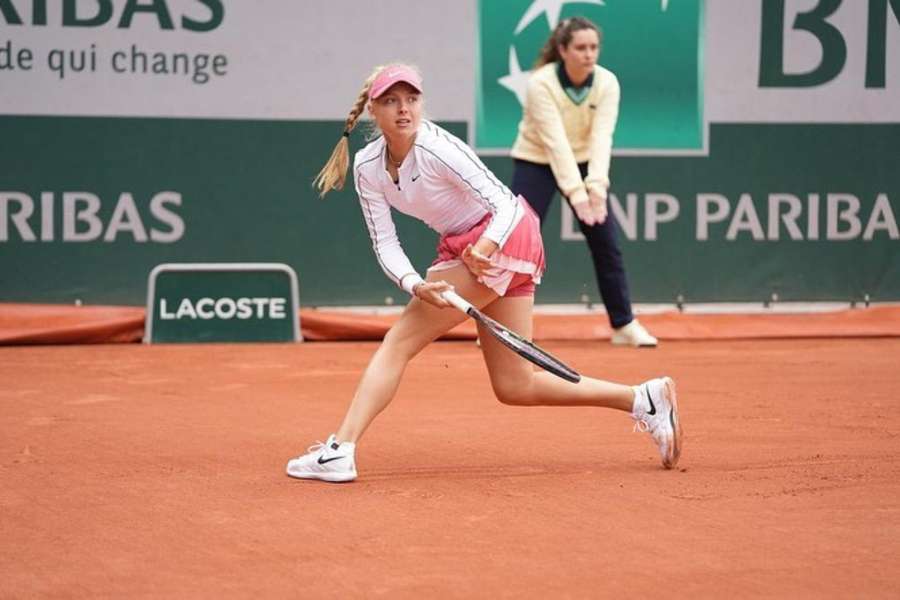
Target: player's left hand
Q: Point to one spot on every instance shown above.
(477, 262)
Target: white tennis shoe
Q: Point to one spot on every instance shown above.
(656, 412)
(331, 461)
(633, 334)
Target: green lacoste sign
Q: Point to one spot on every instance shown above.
(653, 46)
(222, 302)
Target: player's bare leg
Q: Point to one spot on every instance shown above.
(515, 381)
(652, 404)
(420, 324)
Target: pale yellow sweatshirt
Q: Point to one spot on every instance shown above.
(555, 130)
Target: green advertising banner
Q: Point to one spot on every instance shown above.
(654, 47)
(805, 222)
(124, 195)
(801, 217)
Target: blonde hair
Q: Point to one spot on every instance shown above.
(334, 173)
(562, 36)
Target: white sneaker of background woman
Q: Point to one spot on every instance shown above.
(633, 334)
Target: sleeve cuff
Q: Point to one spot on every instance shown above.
(597, 188)
(409, 281)
(493, 237)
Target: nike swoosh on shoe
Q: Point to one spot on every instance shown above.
(652, 410)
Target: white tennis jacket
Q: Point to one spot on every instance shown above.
(442, 183)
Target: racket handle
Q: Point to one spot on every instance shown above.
(456, 300)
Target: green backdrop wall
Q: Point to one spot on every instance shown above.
(245, 195)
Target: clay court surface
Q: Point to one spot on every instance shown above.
(157, 471)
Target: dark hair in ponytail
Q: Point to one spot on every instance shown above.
(562, 36)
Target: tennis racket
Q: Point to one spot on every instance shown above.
(514, 341)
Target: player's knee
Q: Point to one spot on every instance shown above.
(513, 392)
(401, 344)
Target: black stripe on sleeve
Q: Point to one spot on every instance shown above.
(489, 175)
(467, 151)
(370, 220)
(457, 173)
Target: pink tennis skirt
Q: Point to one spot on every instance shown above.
(517, 266)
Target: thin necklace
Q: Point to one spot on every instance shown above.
(391, 158)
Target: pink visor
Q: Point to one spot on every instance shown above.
(392, 74)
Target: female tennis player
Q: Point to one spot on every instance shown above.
(564, 143)
(490, 252)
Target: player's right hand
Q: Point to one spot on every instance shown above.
(430, 292)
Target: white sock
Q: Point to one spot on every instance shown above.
(640, 405)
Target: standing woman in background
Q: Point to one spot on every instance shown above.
(490, 250)
(565, 143)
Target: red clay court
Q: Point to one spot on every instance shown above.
(169, 157)
(157, 471)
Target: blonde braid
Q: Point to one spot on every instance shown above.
(334, 173)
